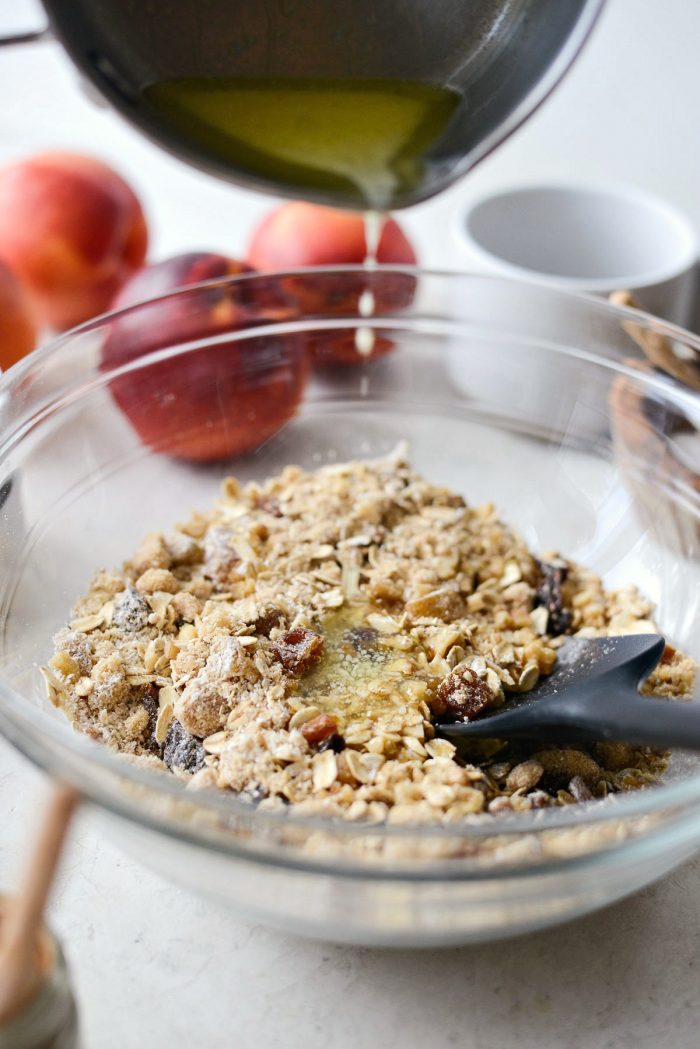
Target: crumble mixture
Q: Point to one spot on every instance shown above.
(296, 643)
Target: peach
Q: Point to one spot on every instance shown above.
(217, 401)
(300, 234)
(17, 327)
(72, 230)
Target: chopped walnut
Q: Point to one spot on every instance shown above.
(201, 708)
(111, 686)
(153, 553)
(384, 592)
(65, 665)
(446, 603)
(184, 550)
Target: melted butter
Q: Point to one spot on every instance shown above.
(364, 340)
(374, 226)
(364, 335)
(360, 675)
(368, 140)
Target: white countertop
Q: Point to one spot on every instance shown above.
(155, 966)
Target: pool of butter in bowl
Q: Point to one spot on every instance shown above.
(365, 678)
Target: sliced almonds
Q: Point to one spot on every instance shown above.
(54, 686)
(166, 696)
(65, 665)
(159, 602)
(163, 722)
(84, 624)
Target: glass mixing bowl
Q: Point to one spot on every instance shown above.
(579, 420)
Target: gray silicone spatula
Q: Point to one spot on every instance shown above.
(593, 694)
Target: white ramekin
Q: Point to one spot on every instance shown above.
(586, 237)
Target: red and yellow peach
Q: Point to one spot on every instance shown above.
(72, 230)
(302, 235)
(222, 399)
(17, 325)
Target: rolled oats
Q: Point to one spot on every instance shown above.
(325, 770)
(294, 644)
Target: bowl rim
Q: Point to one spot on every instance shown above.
(642, 319)
(24, 725)
(536, 283)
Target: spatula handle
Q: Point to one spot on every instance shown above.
(640, 720)
(628, 718)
